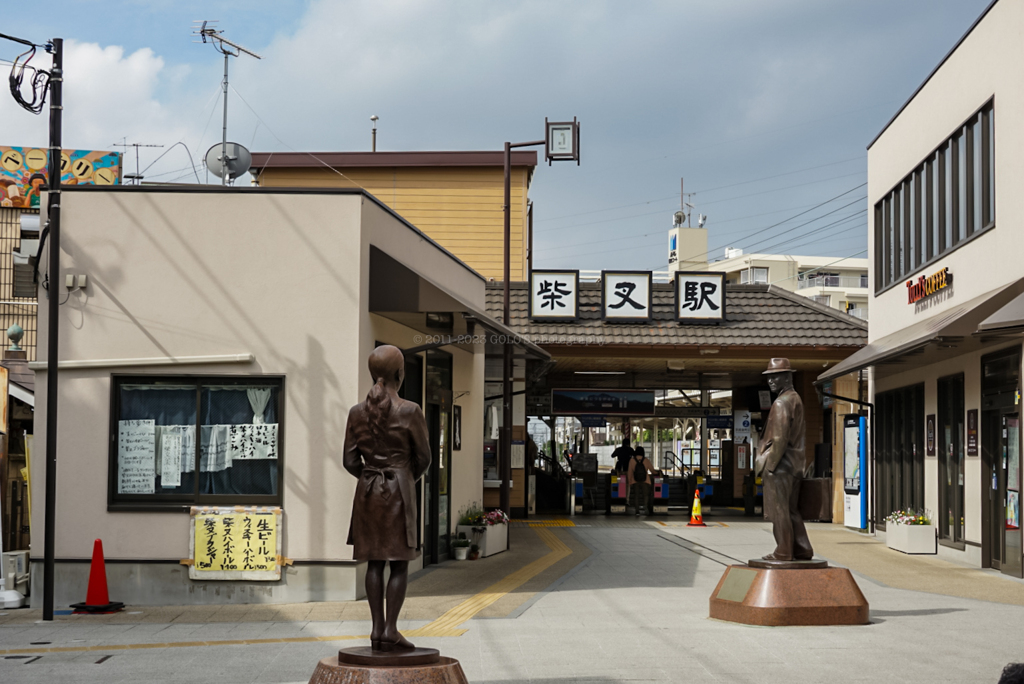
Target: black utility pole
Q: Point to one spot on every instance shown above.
(566, 149)
(505, 447)
(53, 323)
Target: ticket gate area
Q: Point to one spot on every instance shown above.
(618, 495)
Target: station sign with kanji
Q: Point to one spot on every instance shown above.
(626, 296)
(554, 295)
(700, 296)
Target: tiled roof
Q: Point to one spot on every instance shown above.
(18, 372)
(756, 315)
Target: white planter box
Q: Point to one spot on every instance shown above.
(494, 538)
(910, 538)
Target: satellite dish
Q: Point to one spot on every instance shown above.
(678, 218)
(236, 160)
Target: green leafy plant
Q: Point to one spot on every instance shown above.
(471, 514)
(460, 543)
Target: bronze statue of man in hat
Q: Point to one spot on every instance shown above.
(782, 463)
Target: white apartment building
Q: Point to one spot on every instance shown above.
(839, 283)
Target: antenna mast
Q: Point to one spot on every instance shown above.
(137, 176)
(209, 33)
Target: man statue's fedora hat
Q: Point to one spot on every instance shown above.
(778, 366)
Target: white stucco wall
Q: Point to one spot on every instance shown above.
(988, 63)
(281, 276)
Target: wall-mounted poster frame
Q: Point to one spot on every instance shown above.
(456, 428)
(930, 435)
(972, 432)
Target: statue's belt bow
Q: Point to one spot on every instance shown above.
(376, 480)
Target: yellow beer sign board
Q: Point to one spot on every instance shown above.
(235, 544)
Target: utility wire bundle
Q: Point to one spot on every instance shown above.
(40, 79)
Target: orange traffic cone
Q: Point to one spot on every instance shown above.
(696, 519)
(97, 600)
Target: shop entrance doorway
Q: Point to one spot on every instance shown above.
(951, 461)
(1000, 447)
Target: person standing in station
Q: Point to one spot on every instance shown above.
(622, 456)
(641, 482)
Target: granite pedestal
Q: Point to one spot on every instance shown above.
(365, 666)
(779, 593)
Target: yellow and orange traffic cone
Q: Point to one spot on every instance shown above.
(696, 519)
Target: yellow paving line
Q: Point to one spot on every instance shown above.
(180, 644)
(444, 626)
(447, 625)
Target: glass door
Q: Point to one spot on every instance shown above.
(1010, 494)
(438, 480)
(1001, 480)
(951, 459)
(993, 487)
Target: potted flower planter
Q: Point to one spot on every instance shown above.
(492, 539)
(910, 538)
(461, 552)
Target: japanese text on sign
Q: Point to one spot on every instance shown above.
(553, 294)
(700, 296)
(236, 544)
(627, 296)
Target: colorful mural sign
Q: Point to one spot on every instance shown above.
(23, 172)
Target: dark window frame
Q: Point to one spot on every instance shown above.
(897, 229)
(183, 502)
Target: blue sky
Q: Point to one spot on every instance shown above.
(764, 107)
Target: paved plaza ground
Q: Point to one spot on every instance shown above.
(592, 599)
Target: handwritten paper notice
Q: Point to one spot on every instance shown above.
(235, 544)
(170, 460)
(136, 457)
(252, 441)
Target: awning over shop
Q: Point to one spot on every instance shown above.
(947, 334)
(1009, 318)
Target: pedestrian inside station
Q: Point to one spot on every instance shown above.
(688, 393)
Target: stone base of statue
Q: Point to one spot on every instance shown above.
(365, 666)
(781, 593)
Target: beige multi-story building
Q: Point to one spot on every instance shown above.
(839, 283)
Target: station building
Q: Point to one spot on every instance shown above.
(947, 298)
(218, 369)
(216, 372)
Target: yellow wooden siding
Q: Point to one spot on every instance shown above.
(458, 207)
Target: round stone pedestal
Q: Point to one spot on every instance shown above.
(443, 671)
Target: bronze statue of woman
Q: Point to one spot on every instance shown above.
(388, 450)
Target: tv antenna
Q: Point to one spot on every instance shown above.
(207, 31)
(685, 207)
(137, 176)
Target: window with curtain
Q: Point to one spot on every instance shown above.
(183, 440)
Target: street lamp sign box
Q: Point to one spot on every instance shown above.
(562, 141)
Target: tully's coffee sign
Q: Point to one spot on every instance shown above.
(927, 286)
